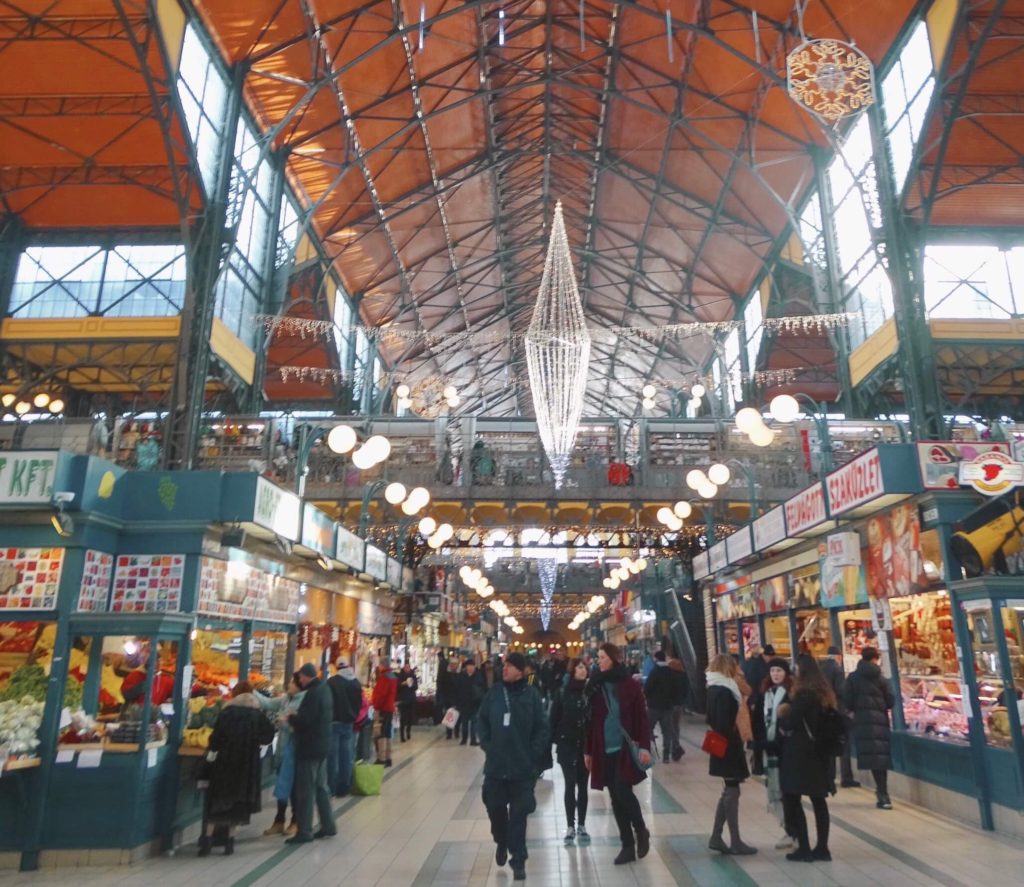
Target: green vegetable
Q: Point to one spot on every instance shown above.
(29, 680)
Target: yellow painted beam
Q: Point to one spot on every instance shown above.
(53, 329)
(879, 347)
(988, 330)
(233, 351)
(941, 19)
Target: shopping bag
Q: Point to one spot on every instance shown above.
(450, 719)
(366, 778)
(715, 744)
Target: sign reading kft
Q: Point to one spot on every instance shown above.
(27, 478)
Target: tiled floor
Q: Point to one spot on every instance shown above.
(429, 829)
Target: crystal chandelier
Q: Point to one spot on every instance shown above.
(548, 571)
(558, 353)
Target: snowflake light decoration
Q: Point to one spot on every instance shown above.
(558, 353)
(830, 78)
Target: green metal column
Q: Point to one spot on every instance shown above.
(12, 243)
(834, 301)
(273, 288)
(904, 255)
(209, 249)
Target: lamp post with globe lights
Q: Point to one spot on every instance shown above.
(341, 440)
(785, 408)
(410, 502)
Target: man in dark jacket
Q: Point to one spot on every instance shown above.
(469, 692)
(832, 669)
(346, 699)
(513, 731)
(869, 697)
(661, 697)
(755, 671)
(312, 738)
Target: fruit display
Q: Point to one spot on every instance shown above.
(82, 730)
(20, 720)
(129, 729)
(202, 716)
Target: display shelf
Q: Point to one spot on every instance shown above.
(128, 747)
(81, 746)
(21, 763)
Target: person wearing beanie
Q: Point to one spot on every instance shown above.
(659, 688)
(774, 693)
(569, 714)
(347, 699)
(311, 724)
(618, 719)
(513, 732)
(832, 669)
(868, 697)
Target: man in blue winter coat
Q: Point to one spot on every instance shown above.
(513, 731)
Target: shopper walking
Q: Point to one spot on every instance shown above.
(804, 767)
(284, 757)
(469, 693)
(680, 702)
(569, 716)
(513, 731)
(775, 693)
(832, 669)
(660, 691)
(311, 724)
(347, 700)
(726, 705)
(234, 766)
(447, 684)
(384, 700)
(619, 719)
(408, 684)
(869, 698)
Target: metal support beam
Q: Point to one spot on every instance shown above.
(209, 250)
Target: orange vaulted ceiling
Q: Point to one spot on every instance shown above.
(433, 155)
(86, 132)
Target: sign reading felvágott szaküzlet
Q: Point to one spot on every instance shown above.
(27, 478)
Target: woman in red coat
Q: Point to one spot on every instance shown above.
(618, 713)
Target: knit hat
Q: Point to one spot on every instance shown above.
(768, 650)
(341, 663)
(516, 660)
(778, 662)
(869, 653)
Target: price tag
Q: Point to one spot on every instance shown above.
(506, 719)
(64, 757)
(88, 760)
(151, 757)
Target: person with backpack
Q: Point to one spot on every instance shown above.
(869, 698)
(809, 724)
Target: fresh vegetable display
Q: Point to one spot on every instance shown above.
(19, 725)
(31, 680)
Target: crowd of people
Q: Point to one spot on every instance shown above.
(786, 721)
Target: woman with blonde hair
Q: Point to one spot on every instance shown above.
(726, 702)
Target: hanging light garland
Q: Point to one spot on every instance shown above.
(548, 572)
(558, 353)
(307, 328)
(830, 78)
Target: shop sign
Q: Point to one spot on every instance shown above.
(895, 562)
(277, 510)
(717, 558)
(771, 595)
(940, 461)
(843, 549)
(738, 545)
(770, 528)
(394, 574)
(317, 530)
(857, 482)
(805, 510)
(27, 478)
(376, 563)
(992, 474)
(349, 549)
(701, 567)
(372, 619)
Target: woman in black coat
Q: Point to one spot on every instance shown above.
(804, 771)
(236, 779)
(868, 697)
(406, 701)
(723, 701)
(569, 717)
